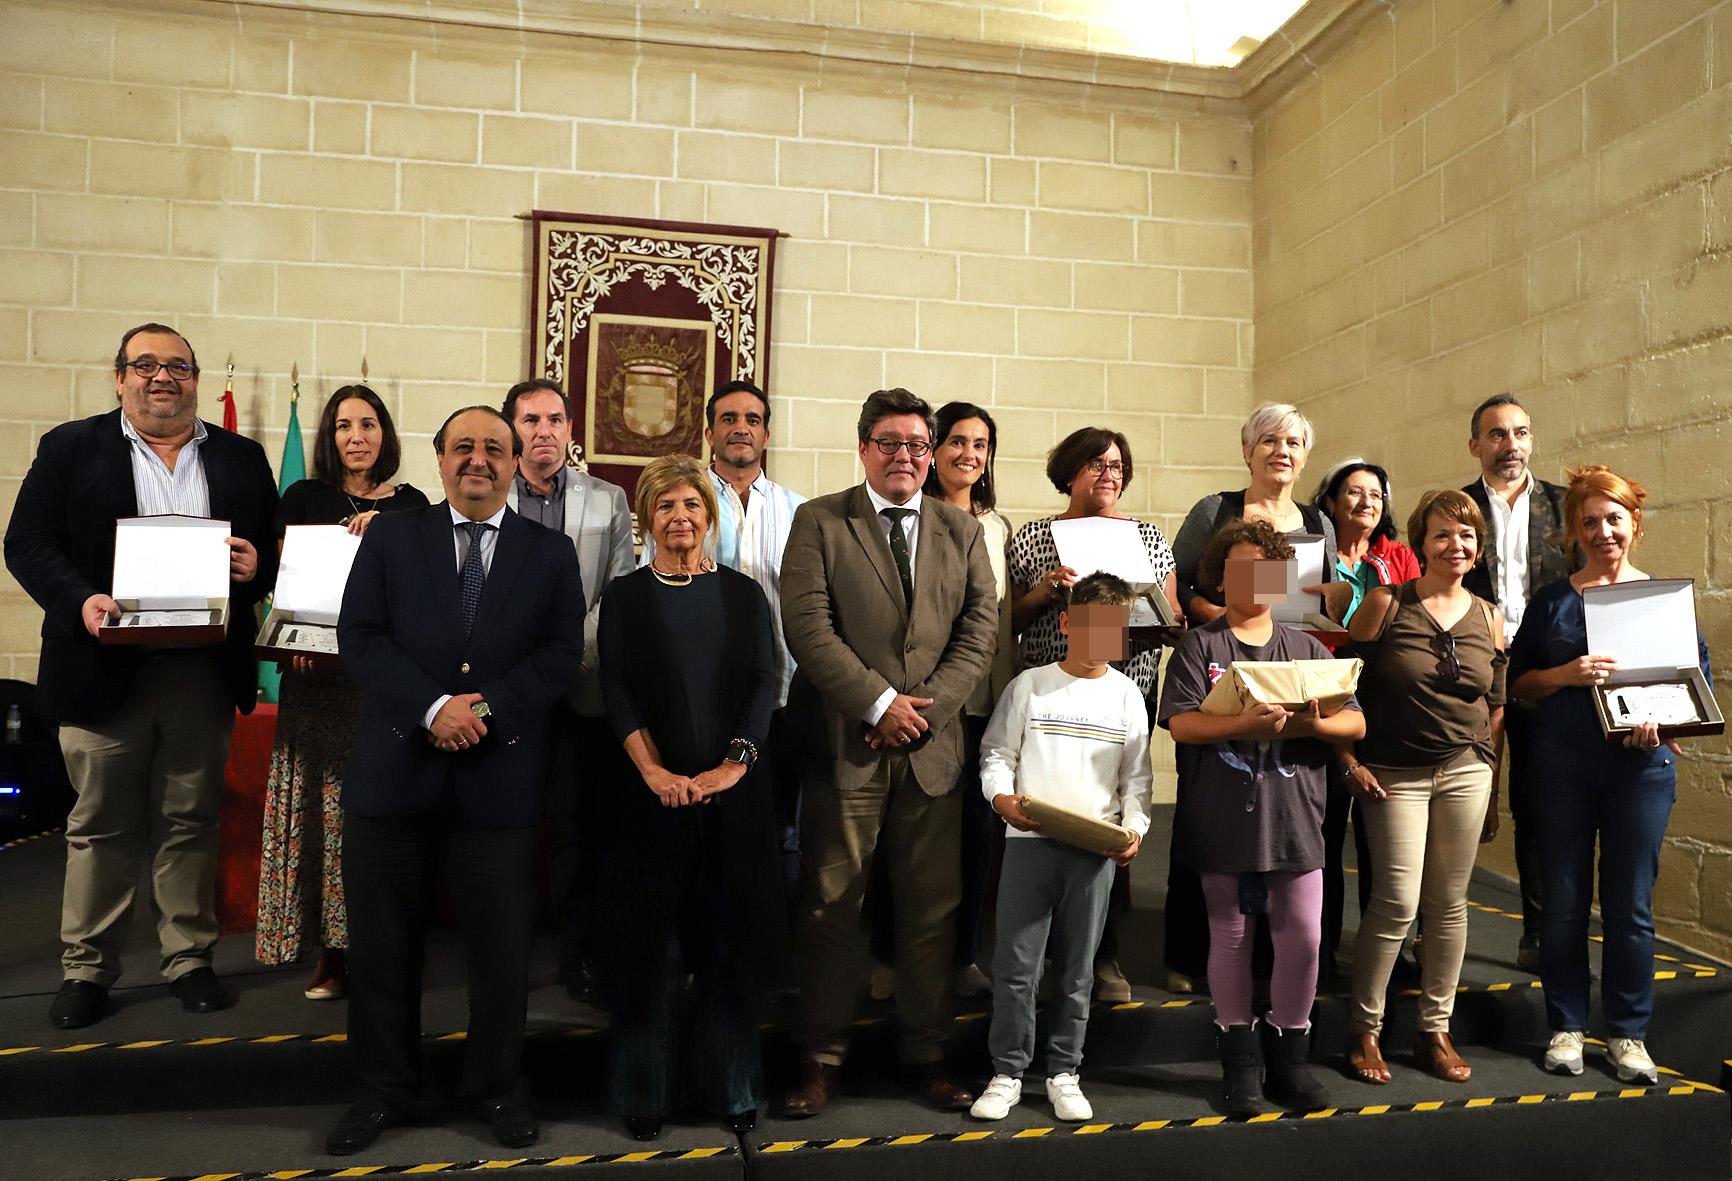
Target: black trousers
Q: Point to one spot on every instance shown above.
(585, 757)
(1339, 807)
(390, 869)
(1518, 721)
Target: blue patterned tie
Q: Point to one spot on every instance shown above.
(474, 573)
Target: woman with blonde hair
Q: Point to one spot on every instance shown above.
(1616, 794)
(1433, 693)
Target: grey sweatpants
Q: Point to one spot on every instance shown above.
(1045, 887)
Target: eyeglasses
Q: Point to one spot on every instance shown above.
(1448, 664)
(1100, 467)
(916, 447)
(146, 367)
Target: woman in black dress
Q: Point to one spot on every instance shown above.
(355, 454)
(688, 668)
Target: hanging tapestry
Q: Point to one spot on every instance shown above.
(640, 321)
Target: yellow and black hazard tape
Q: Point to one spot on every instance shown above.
(977, 1135)
(447, 1168)
(13, 844)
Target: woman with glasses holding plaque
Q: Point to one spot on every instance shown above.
(355, 454)
(1092, 466)
(1592, 791)
(689, 673)
(1433, 693)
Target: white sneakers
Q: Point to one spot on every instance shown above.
(1001, 1094)
(1063, 1091)
(1564, 1054)
(1629, 1058)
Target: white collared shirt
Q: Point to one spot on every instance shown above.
(460, 542)
(1509, 526)
(910, 530)
(159, 490)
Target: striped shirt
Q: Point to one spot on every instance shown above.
(751, 540)
(160, 490)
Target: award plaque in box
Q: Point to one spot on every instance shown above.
(310, 579)
(171, 580)
(1114, 545)
(1649, 628)
(1301, 610)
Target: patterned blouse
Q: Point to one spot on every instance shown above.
(1032, 554)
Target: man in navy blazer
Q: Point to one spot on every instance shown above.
(463, 625)
(145, 729)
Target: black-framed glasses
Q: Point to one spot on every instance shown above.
(1100, 467)
(916, 447)
(147, 367)
(1448, 663)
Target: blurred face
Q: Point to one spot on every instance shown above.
(1504, 443)
(544, 428)
(1277, 456)
(1359, 503)
(1095, 490)
(1252, 583)
(1450, 547)
(161, 405)
(679, 520)
(740, 433)
(897, 476)
(359, 435)
(1098, 631)
(1606, 532)
(477, 465)
(961, 457)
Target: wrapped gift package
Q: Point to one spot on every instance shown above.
(1075, 829)
(309, 595)
(171, 580)
(1649, 628)
(1287, 683)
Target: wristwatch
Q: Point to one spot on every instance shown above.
(481, 709)
(742, 752)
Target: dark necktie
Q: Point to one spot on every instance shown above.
(474, 573)
(899, 551)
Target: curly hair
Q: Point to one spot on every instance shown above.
(1261, 534)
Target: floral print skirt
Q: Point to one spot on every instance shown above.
(301, 906)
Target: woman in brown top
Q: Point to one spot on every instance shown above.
(1433, 694)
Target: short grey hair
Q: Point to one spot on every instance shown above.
(1274, 416)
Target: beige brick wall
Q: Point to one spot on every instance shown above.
(1479, 195)
(313, 190)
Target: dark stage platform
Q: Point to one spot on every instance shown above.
(155, 1092)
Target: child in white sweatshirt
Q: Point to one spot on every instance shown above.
(1074, 734)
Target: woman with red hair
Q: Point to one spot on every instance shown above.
(1589, 791)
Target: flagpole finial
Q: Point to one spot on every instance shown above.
(294, 382)
(363, 366)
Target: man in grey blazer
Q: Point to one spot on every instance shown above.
(593, 513)
(890, 610)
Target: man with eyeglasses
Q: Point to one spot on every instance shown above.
(890, 611)
(145, 730)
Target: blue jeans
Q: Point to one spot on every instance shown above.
(1625, 804)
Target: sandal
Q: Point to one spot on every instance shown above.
(1436, 1053)
(1365, 1059)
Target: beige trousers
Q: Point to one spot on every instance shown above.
(841, 831)
(1424, 839)
(149, 781)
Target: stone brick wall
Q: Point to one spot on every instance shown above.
(1479, 195)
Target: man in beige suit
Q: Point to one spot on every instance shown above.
(890, 611)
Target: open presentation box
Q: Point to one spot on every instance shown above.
(1114, 545)
(1305, 611)
(1649, 628)
(171, 580)
(311, 576)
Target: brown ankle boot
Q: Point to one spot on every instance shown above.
(819, 1083)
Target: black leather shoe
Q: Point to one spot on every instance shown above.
(358, 1128)
(741, 1122)
(200, 991)
(512, 1124)
(77, 1004)
(643, 1127)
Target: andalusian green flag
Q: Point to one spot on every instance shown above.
(293, 470)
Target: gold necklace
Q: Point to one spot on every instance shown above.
(682, 577)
